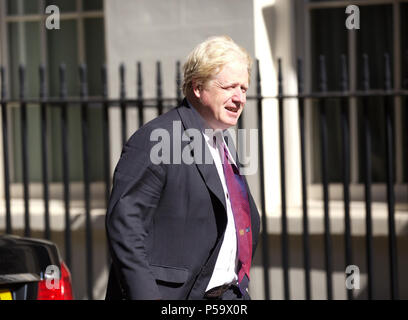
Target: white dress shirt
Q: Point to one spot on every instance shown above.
(226, 264)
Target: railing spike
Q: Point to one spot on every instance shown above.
(3, 82)
(159, 79)
(344, 73)
(387, 72)
(83, 80)
(280, 77)
(366, 73)
(139, 81)
(299, 68)
(21, 78)
(122, 81)
(104, 79)
(322, 73)
(405, 82)
(258, 79)
(63, 84)
(178, 82)
(41, 71)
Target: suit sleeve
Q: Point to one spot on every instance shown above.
(136, 192)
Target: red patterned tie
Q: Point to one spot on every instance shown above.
(240, 207)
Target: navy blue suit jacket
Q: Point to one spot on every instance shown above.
(165, 222)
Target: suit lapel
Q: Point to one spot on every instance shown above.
(208, 171)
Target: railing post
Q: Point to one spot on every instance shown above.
(123, 103)
(85, 158)
(65, 162)
(179, 94)
(24, 150)
(367, 177)
(389, 152)
(306, 245)
(105, 132)
(284, 223)
(324, 146)
(44, 150)
(159, 89)
(4, 119)
(346, 165)
(140, 104)
(106, 145)
(405, 87)
(264, 235)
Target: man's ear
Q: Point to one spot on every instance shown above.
(196, 89)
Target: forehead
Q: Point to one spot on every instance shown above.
(234, 71)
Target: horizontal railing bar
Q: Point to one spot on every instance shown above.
(40, 17)
(342, 3)
(337, 94)
(97, 99)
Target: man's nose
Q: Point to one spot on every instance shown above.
(239, 96)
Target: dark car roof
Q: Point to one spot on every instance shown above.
(25, 259)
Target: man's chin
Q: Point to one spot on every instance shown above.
(229, 124)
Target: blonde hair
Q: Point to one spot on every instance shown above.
(208, 58)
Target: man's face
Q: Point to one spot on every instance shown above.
(223, 97)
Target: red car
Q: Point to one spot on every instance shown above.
(32, 269)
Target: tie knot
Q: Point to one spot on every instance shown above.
(226, 156)
(220, 146)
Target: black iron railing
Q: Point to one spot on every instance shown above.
(160, 103)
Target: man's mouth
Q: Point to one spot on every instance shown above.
(232, 109)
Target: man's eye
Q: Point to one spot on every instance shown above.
(234, 87)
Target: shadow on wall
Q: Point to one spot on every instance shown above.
(270, 20)
(381, 275)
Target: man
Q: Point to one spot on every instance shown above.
(186, 229)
